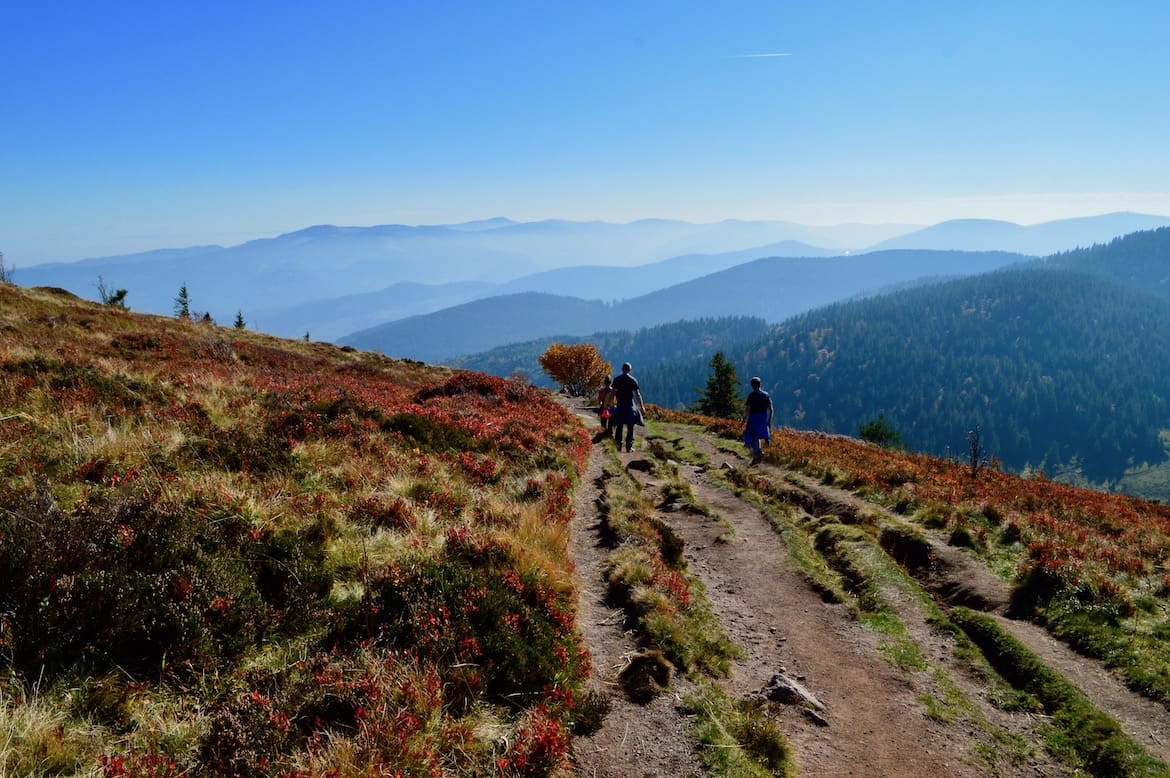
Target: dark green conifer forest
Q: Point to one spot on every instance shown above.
(667, 343)
(1057, 368)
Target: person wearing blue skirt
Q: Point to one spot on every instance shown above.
(757, 411)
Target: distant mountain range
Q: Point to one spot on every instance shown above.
(330, 280)
(772, 288)
(327, 261)
(336, 317)
(1037, 239)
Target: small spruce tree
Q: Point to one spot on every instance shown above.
(183, 303)
(240, 323)
(721, 398)
(880, 432)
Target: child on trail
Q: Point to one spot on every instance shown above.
(605, 403)
(757, 410)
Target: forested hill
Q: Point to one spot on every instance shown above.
(667, 343)
(1056, 367)
(1140, 260)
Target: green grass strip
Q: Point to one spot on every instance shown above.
(1094, 737)
(736, 737)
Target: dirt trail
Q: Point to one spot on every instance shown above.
(635, 740)
(1146, 721)
(877, 720)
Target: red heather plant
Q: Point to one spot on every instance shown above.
(472, 607)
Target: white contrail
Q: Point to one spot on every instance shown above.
(759, 56)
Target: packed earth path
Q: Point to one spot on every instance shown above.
(875, 716)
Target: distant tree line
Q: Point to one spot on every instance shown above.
(664, 343)
(1054, 368)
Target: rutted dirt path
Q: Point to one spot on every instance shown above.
(875, 718)
(635, 740)
(1146, 721)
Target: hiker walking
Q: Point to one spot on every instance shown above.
(629, 408)
(757, 411)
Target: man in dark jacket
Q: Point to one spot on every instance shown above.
(626, 392)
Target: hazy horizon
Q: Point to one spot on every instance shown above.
(141, 126)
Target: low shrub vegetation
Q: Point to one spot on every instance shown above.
(227, 554)
(646, 575)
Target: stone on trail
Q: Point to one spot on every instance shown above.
(786, 690)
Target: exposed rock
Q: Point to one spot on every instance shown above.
(786, 690)
(815, 717)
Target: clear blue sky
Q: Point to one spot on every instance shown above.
(127, 125)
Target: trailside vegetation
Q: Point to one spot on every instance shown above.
(578, 367)
(721, 397)
(226, 554)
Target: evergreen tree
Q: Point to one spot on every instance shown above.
(880, 432)
(240, 323)
(721, 398)
(183, 303)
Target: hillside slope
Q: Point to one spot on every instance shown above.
(226, 554)
(1140, 260)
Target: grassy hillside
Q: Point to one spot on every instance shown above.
(222, 553)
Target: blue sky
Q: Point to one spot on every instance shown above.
(131, 125)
